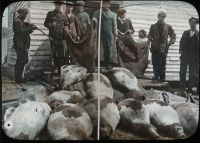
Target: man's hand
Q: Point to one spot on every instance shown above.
(94, 19)
(53, 24)
(115, 38)
(66, 29)
(33, 27)
(129, 31)
(78, 38)
(170, 43)
(148, 43)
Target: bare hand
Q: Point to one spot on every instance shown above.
(33, 27)
(78, 38)
(54, 24)
(66, 29)
(129, 31)
(115, 38)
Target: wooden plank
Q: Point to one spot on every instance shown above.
(11, 61)
(40, 58)
(4, 90)
(41, 37)
(41, 63)
(9, 86)
(37, 68)
(40, 53)
(42, 48)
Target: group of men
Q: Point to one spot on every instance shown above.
(76, 24)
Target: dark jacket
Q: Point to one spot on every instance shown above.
(189, 45)
(21, 38)
(84, 19)
(73, 25)
(154, 38)
(125, 25)
(61, 21)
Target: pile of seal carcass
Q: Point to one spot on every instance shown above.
(71, 113)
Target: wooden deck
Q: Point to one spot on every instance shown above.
(10, 88)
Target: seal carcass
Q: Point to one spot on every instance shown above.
(26, 121)
(109, 115)
(164, 118)
(69, 122)
(123, 79)
(91, 86)
(37, 93)
(71, 74)
(135, 117)
(63, 96)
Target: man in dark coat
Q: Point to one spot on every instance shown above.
(158, 36)
(21, 42)
(108, 32)
(189, 50)
(56, 21)
(83, 17)
(73, 28)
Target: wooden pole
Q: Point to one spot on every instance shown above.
(98, 91)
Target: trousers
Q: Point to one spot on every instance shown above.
(159, 63)
(22, 59)
(187, 61)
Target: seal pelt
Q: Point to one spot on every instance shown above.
(69, 122)
(26, 121)
(109, 115)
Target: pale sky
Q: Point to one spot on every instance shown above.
(5, 18)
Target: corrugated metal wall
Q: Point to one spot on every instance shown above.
(40, 54)
(141, 13)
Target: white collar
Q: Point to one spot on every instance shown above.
(122, 19)
(192, 32)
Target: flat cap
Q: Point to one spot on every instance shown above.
(80, 3)
(195, 19)
(162, 13)
(69, 3)
(23, 10)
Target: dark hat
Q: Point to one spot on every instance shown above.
(80, 3)
(161, 13)
(195, 19)
(23, 10)
(106, 1)
(69, 3)
(121, 11)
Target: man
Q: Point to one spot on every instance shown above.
(56, 21)
(189, 50)
(158, 36)
(108, 31)
(73, 28)
(21, 42)
(83, 17)
(73, 22)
